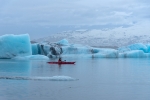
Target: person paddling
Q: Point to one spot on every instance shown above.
(59, 60)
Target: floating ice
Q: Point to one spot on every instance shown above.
(148, 48)
(61, 78)
(15, 45)
(137, 50)
(53, 78)
(137, 46)
(35, 49)
(63, 42)
(31, 57)
(133, 54)
(47, 49)
(106, 53)
(19, 47)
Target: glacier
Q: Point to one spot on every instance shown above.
(20, 47)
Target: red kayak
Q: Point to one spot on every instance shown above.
(62, 62)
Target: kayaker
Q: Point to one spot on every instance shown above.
(59, 60)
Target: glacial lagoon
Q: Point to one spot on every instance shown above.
(87, 79)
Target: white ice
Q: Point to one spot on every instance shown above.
(53, 78)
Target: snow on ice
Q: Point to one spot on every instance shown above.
(19, 46)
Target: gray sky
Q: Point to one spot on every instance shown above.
(41, 18)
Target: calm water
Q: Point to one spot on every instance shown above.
(99, 79)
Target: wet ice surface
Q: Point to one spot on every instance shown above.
(98, 79)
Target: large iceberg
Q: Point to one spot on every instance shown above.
(15, 45)
(73, 50)
(137, 50)
(19, 47)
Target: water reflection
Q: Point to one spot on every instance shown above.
(99, 79)
(13, 89)
(13, 67)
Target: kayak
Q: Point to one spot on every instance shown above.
(61, 62)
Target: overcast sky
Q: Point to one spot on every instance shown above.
(39, 18)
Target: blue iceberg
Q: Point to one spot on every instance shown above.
(20, 47)
(15, 45)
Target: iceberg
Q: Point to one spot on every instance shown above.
(133, 54)
(86, 51)
(137, 50)
(15, 45)
(47, 49)
(63, 42)
(19, 47)
(31, 57)
(137, 46)
(35, 49)
(106, 53)
(148, 48)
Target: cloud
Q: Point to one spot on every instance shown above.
(79, 12)
(47, 13)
